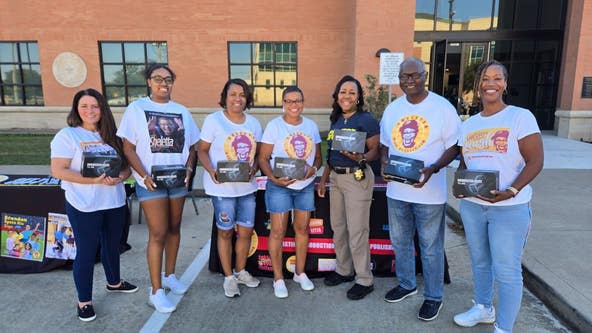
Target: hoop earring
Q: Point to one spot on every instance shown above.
(358, 101)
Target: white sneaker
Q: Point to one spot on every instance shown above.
(247, 279)
(304, 281)
(478, 314)
(171, 282)
(279, 289)
(231, 286)
(160, 302)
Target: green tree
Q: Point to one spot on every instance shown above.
(376, 96)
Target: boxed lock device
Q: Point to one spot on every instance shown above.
(232, 171)
(293, 168)
(352, 141)
(470, 183)
(403, 169)
(94, 164)
(169, 176)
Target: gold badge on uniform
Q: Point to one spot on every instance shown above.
(359, 175)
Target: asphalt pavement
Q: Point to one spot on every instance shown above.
(555, 270)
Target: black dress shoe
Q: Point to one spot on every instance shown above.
(335, 278)
(359, 291)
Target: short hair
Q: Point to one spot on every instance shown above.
(246, 89)
(337, 111)
(420, 64)
(151, 67)
(290, 89)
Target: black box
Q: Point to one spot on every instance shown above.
(352, 141)
(470, 183)
(403, 169)
(169, 176)
(95, 164)
(293, 168)
(232, 171)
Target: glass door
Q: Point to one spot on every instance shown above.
(472, 55)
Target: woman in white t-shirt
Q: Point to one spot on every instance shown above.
(297, 137)
(95, 205)
(502, 138)
(156, 131)
(232, 135)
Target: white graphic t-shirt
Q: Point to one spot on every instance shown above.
(491, 143)
(71, 142)
(423, 132)
(230, 142)
(294, 141)
(163, 133)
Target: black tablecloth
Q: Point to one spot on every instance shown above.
(34, 196)
(320, 255)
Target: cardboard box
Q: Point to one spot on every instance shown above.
(293, 168)
(403, 169)
(169, 176)
(470, 183)
(95, 164)
(232, 171)
(351, 141)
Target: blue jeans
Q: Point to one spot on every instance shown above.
(496, 236)
(90, 229)
(280, 199)
(404, 219)
(231, 210)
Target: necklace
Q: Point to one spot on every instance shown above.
(351, 114)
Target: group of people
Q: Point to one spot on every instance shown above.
(420, 125)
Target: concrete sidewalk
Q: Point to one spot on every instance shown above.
(556, 263)
(555, 266)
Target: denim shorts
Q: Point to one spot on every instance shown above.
(280, 199)
(172, 193)
(234, 210)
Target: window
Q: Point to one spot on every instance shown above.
(122, 66)
(20, 74)
(268, 67)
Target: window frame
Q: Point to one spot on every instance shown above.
(127, 99)
(21, 66)
(278, 84)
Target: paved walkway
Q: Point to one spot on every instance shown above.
(556, 267)
(556, 262)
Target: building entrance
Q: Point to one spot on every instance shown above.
(454, 71)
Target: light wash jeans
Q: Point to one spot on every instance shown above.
(404, 219)
(234, 210)
(496, 236)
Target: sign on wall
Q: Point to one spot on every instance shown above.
(389, 67)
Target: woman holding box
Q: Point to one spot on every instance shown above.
(352, 184)
(496, 228)
(95, 205)
(292, 136)
(162, 206)
(232, 135)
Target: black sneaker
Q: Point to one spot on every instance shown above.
(398, 294)
(429, 310)
(87, 313)
(359, 291)
(335, 278)
(124, 287)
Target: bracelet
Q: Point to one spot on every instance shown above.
(144, 178)
(189, 168)
(513, 190)
(315, 168)
(436, 167)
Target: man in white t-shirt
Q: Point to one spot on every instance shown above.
(423, 126)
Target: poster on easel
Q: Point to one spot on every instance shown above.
(22, 236)
(60, 237)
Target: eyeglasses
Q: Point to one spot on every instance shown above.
(414, 76)
(295, 101)
(159, 79)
